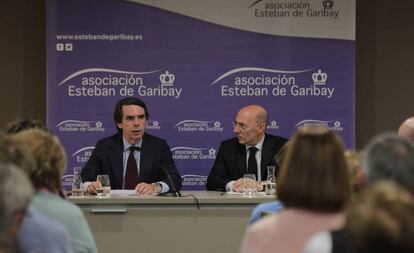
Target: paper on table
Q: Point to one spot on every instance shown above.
(241, 193)
(123, 193)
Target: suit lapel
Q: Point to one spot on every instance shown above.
(145, 164)
(241, 160)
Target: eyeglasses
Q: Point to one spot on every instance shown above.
(241, 126)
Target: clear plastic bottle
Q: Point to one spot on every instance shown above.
(270, 186)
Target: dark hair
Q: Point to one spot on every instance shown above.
(314, 173)
(127, 101)
(24, 124)
(389, 156)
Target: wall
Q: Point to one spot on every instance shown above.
(22, 60)
(384, 62)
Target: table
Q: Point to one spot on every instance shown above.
(169, 224)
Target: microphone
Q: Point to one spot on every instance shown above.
(174, 190)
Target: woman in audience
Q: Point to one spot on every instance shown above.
(313, 186)
(50, 163)
(38, 233)
(381, 220)
(353, 161)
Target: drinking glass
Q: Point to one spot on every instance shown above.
(104, 186)
(249, 184)
(77, 187)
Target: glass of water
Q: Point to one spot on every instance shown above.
(77, 187)
(249, 184)
(104, 186)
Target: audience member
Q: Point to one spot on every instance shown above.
(381, 220)
(386, 157)
(389, 157)
(24, 124)
(15, 193)
(234, 157)
(50, 162)
(314, 188)
(132, 158)
(406, 129)
(355, 174)
(38, 233)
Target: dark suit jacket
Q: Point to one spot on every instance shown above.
(107, 159)
(230, 162)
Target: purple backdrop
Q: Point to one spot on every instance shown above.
(194, 76)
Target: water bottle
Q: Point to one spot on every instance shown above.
(270, 186)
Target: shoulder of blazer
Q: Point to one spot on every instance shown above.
(276, 139)
(232, 145)
(149, 141)
(113, 142)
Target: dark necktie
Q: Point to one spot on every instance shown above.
(252, 164)
(131, 174)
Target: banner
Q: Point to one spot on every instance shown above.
(195, 64)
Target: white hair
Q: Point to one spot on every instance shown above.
(15, 193)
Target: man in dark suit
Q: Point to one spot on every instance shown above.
(132, 158)
(234, 160)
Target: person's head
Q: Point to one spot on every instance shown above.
(14, 153)
(314, 173)
(250, 124)
(390, 157)
(15, 194)
(381, 220)
(49, 156)
(130, 118)
(406, 129)
(24, 124)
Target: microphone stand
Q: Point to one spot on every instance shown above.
(174, 190)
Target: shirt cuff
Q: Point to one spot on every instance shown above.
(229, 186)
(85, 185)
(165, 187)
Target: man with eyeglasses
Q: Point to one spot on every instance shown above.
(250, 152)
(132, 158)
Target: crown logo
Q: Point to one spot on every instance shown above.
(328, 4)
(217, 124)
(167, 79)
(212, 151)
(319, 78)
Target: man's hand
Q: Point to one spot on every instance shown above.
(238, 184)
(144, 188)
(92, 187)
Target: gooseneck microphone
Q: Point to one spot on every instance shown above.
(174, 190)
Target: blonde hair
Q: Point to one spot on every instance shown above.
(353, 161)
(381, 219)
(49, 156)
